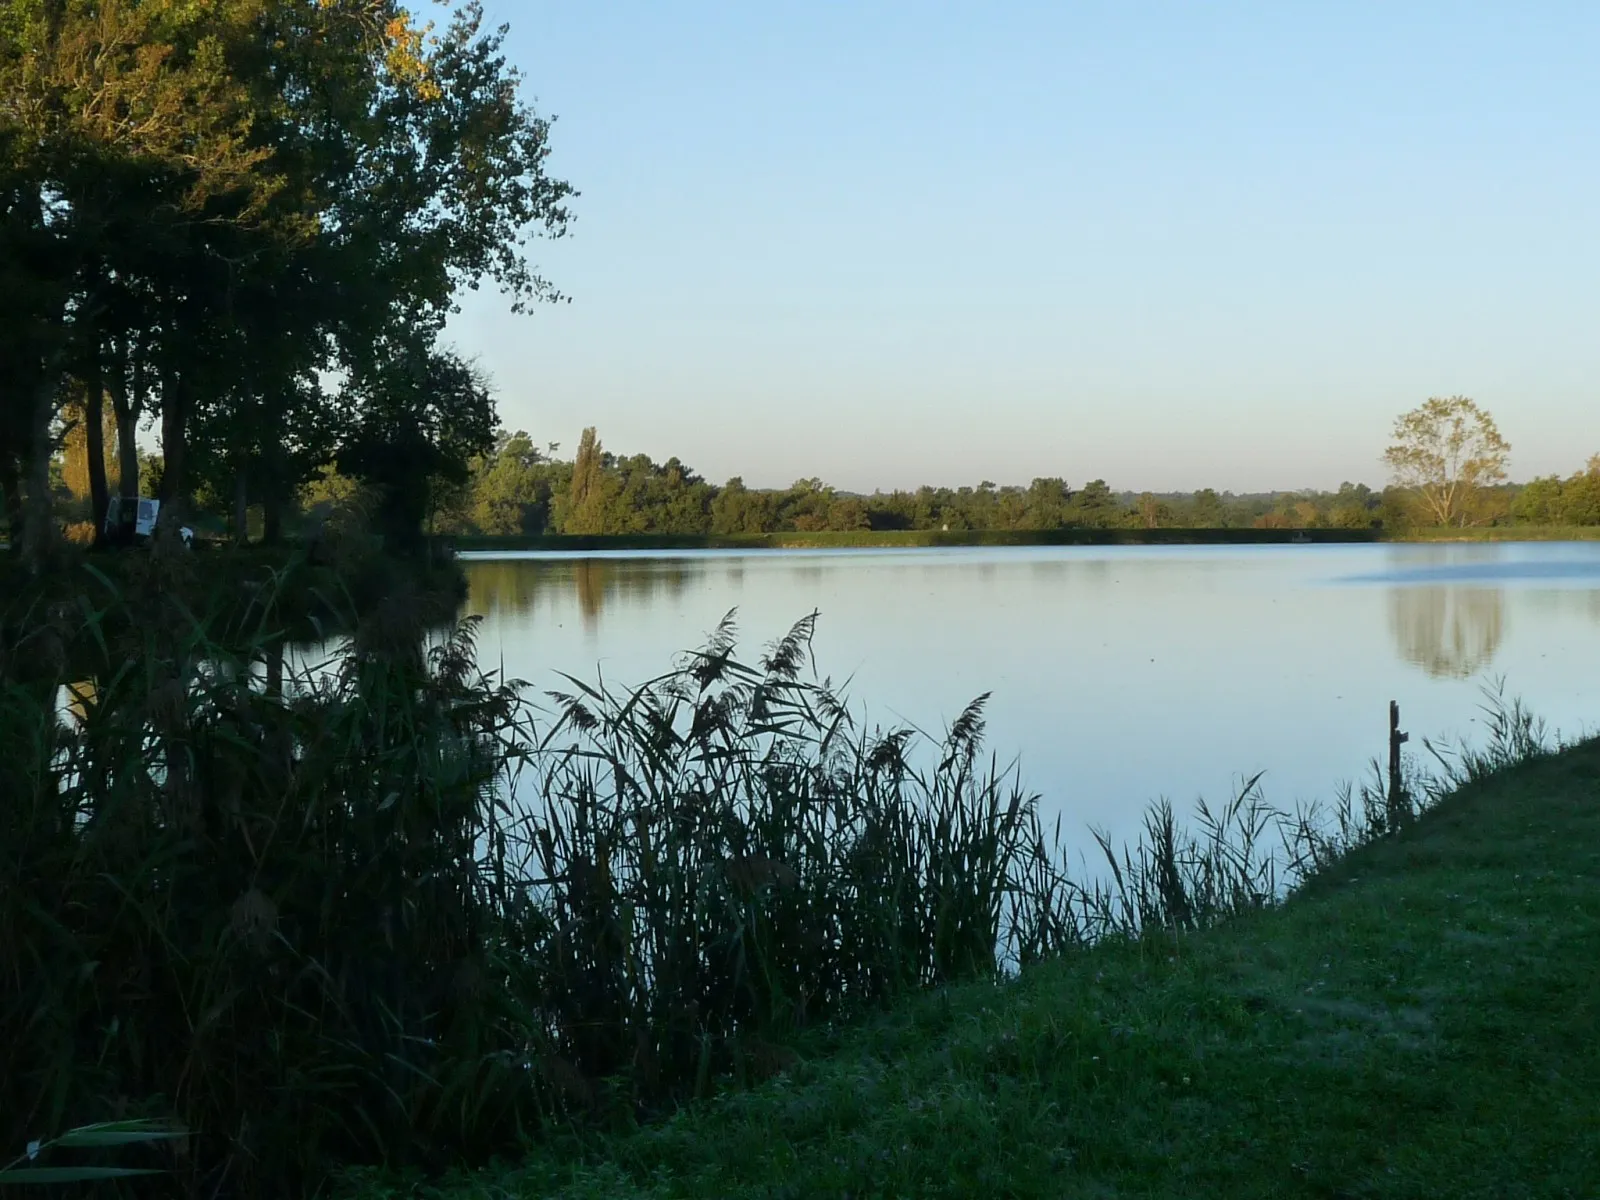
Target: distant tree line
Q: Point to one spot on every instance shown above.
(520, 487)
(1551, 500)
(1447, 459)
(517, 487)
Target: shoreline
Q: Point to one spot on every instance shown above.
(1411, 1022)
(937, 539)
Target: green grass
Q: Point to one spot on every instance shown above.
(1419, 1021)
(1507, 533)
(923, 538)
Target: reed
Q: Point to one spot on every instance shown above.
(726, 858)
(249, 897)
(1316, 837)
(378, 906)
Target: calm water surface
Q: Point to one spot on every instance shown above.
(1118, 674)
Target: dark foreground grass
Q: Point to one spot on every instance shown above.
(1420, 1020)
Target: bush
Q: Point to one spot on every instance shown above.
(253, 898)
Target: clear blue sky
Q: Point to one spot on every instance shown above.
(1169, 244)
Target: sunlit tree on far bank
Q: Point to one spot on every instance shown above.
(1444, 451)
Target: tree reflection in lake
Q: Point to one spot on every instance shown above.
(1450, 632)
(502, 588)
(508, 588)
(1237, 657)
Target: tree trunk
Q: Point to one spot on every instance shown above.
(275, 654)
(127, 401)
(95, 437)
(128, 412)
(11, 493)
(241, 507)
(272, 517)
(174, 420)
(38, 528)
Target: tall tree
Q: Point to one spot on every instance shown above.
(118, 124)
(1047, 502)
(215, 207)
(1444, 451)
(584, 511)
(1095, 507)
(435, 180)
(79, 452)
(425, 417)
(1206, 511)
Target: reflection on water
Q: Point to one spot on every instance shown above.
(1486, 564)
(1449, 632)
(502, 588)
(1119, 674)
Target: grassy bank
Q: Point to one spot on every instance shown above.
(1419, 1021)
(925, 538)
(1507, 533)
(894, 538)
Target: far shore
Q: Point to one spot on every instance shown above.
(927, 538)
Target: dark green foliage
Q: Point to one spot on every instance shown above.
(371, 907)
(732, 861)
(252, 220)
(291, 906)
(101, 1136)
(423, 419)
(255, 897)
(600, 494)
(515, 490)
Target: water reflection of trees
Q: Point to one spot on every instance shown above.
(1450, 633)
(503, 587)
(516, 588)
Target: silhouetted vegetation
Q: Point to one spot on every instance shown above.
(307, 908)
(1412, 1023)
(248, 223)
(272, 907)
(365, 904)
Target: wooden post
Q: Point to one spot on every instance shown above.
(1399, 802)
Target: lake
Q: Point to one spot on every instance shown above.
(1119, 674)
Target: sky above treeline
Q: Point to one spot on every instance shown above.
(1172, 245)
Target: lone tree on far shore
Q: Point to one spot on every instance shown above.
(1444, 451)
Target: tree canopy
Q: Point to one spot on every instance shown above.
(250, 220)
(1446, 451)
(519, 488)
